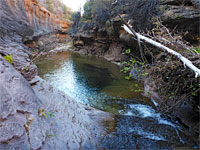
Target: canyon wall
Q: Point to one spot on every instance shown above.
(28, 17)
(20, 21)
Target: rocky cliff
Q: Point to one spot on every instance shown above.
(182, 15)
(105, 25)
(22, 20)
(27, 17)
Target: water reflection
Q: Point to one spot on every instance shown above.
(90, 80)
(98, 83)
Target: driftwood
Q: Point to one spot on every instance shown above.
(185, 61)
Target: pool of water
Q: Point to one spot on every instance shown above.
(98, 83)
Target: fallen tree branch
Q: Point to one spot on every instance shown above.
(185, 61)
(138, 39)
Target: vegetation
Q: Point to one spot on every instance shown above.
(87, 10)
(43, 112)
(8, 58)
(67, 12)
(131, 64)
(75, 17)
(165, 74)
(50, 5)
(57, 7)
(92, 7)
(98, 10)
(197, 50)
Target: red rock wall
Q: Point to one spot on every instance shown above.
(38, 17)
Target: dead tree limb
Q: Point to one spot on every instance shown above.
(185, 61)
(138, 39)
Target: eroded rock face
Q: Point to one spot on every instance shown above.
(26, 17)
(180, 14)
(16, 100)
(16, 93)
(184, 15)
(73, 126)
(11, 45)
(41, 19)
(22, 20)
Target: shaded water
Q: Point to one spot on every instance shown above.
(99, 83)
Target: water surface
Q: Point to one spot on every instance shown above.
(98, 83)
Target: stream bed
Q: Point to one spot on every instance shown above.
(98, 83)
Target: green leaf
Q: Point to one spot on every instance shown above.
(124, 62)
(128, 77)
(144, 74)
(127, 68)
(133, 60)
(139, 90)
(141, 63)
(194, 94)
(51, 135)
(8, 58)
(121, 70)
(171, 97)
(197, 50)
(128, 51)
(26, 68)
(43, 113)
(50, 114)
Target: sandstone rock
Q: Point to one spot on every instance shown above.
(16, 94)
(184, 18)
(10, 131)
(17, 99)
(6, 106)
(114, 53)
(79, 43)
(28, 17)
(174, 2)
(74, 126)
(13, 18)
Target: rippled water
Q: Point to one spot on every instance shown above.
(99, 83)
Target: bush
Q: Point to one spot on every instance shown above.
(75, 17)
(50, 5)
(102, 16)
(87, 10)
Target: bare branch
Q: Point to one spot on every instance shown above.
(185, 61)
(138, 39)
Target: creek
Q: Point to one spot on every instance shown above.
(98, 83)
